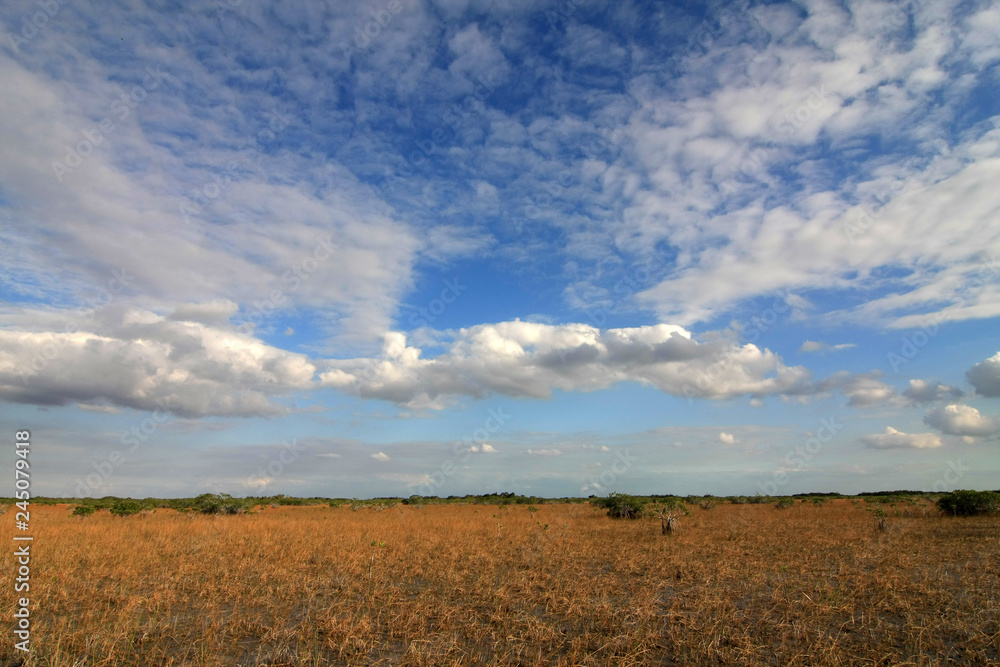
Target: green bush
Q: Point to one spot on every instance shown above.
(84, 510)
(222, 503)
(621, 506)
(126, 507)
(784, 503)
(969, 503)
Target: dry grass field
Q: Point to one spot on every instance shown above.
(735, 585)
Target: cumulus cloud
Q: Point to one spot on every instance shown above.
(381, 456)
(485, 448)
(863, 389)
(922, 391)
(961, 420)
(893, 439)
(129, 357)
(727, 438)
(985, 376)
(137, 359)
(528, 359)
(817, 346)
(544, 452)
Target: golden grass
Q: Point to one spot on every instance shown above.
(738, 584)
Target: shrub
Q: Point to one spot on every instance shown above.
(84, 510)
(620, 506)
(222, 503)
(784, 503)
(668, 512)
(969, 503)
(126, 507)
(878, 514)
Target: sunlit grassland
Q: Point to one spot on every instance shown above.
(462, 585)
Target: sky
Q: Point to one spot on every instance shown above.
(438, 247)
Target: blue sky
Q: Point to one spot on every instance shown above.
(386, 248)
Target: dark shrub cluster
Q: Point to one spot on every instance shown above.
(222, 503)
(969, 503)
(620, 505)
(127, 507)
(84, 510)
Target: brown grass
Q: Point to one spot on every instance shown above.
(739, 584)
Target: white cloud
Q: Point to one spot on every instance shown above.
(381, 456)
(922, 391)
(893, 439)
(817, 346)
(544, 452)
(243, 245)
(702, 171)
(485, 448)
(727, 438)
(138, 359)
(215, 312)
(863, 389)
(106, 409)
(985, 376)
(961, 420)
(531, 359)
